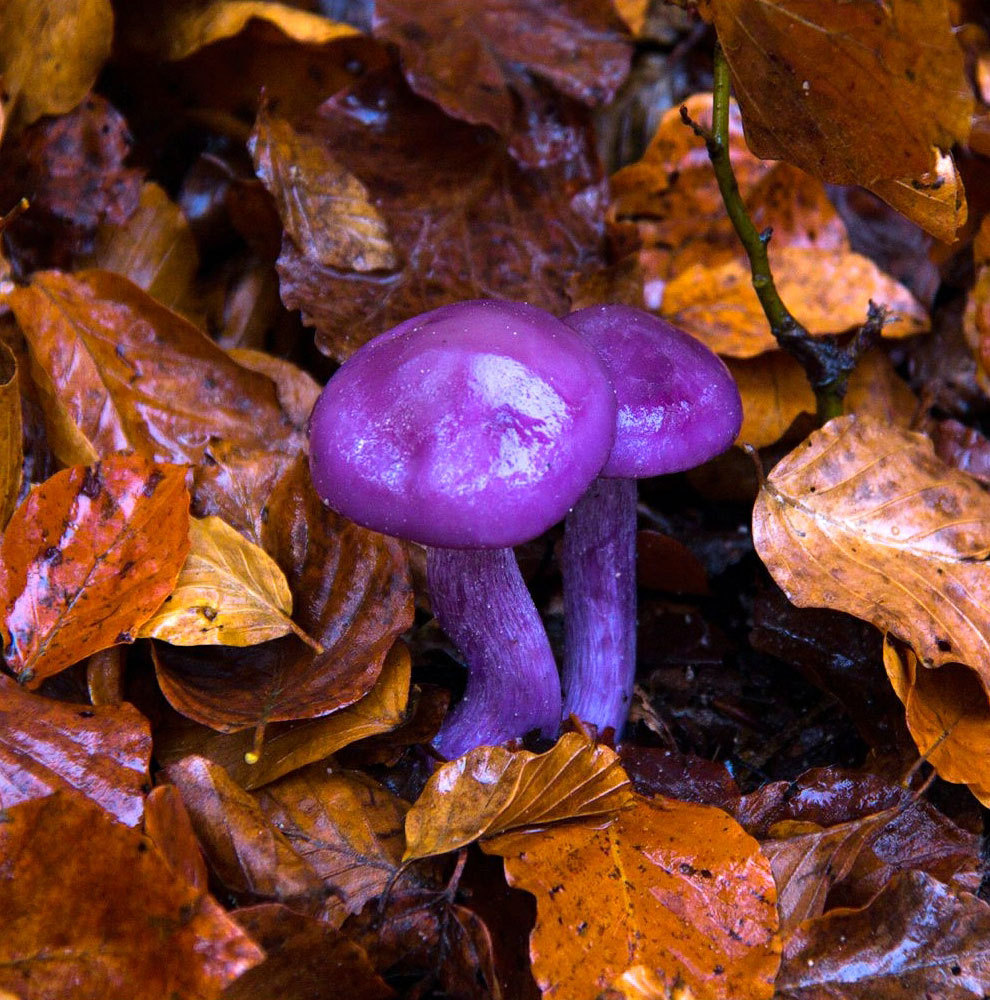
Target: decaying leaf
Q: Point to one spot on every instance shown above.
(103, 752)
(87, 558)
(168, 826)
(297, 390)
(230, 592)
(85, 933)
(491, 790)
(862, 517)
(676, 887)
(11, 447)
(827, 292)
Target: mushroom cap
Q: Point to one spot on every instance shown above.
(476, 425)
(678, 404)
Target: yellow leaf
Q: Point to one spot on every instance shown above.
(230, 592)
(490, 790)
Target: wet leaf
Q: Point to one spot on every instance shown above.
(306, 960)
(167, 825)
(229, 593)
(862, 517)
(347, 828)
(297, 390)
(465, 220)
(351, 593)
(11, 437)
(85, 933)
(249, 855)
(114, 369)
(102, 752)
(846, 94)
(827, 291)
(677, 887)
(87, 558)
(916, 937)
(963, 447)
(49, 60)
(490, 790)
(289, 746)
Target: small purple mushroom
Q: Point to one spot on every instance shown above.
(678, 407)
(470, 429)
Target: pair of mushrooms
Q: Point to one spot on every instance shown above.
(477, 426)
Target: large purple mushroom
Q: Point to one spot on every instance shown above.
(678, 407)
(470, 429)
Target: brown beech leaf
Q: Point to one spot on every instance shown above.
(102, 752)
(289, 746)
(642, 983)
(346, 826)
(86, 560)
(351, 593)
(114, 368)
(84, 934)
(846, 93)
(249, 855)
(306, 960)
(476, 59)
(677, 887)
(948, 715)
(49, 60)
(490, 790)
(916, 938)
(465, 220)
(297, 390)
(827, 291)
(325, 209)
(168, 826)
(961, 446)
(863, 518)
(230, 592)
(11, 436)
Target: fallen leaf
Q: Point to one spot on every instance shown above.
(963, 447)
(863, 518)
(103, 752)
(48, 61)
(248, 854)
(230, 592)
(168, 826)
(677, 887)
(916, 937)
(113, 367)
(87, 558)
(948, 715)
(306, 960)
(11, 434)
(289, 746)
(85, 933)
(826, 291)
(846, 94)
(297, 390)
(642, 983)
(324, 208)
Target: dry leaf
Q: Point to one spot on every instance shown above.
(78, 921)
(490, 790)
(168, 827)
(49, 59)
(86, 560)
(948, 714)
(862, 517)
(229, 593)
(11, 435)
(677, 887)
(103, 752)
(827, 292)
(297, 389)
(642, 983)
(846, 92)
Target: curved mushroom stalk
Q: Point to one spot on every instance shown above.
(599, 569)
(481, 601)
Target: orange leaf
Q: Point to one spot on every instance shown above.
(11, 443)
(677, 887)
(490, 790)
(87, 558)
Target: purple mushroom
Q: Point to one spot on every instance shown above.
(470, 429)
(678, 407)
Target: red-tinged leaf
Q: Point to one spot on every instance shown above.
(82, 899)
(11, 443)
(87, 559)
(351, 593)
(102, 752)
(168, 826)
(118, 372)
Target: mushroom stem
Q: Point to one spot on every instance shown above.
(481, 601)
(599, 567)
